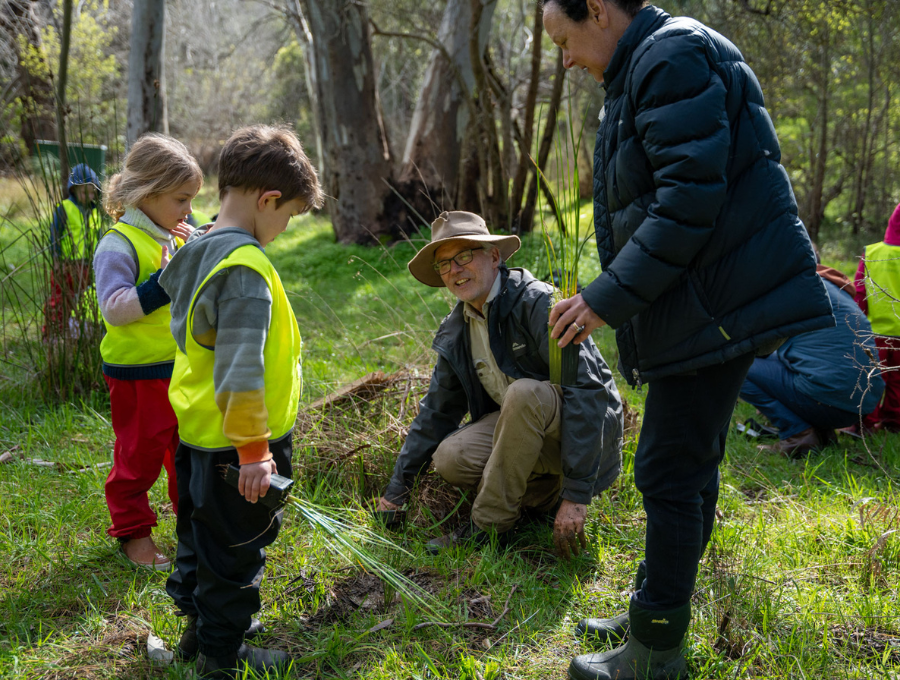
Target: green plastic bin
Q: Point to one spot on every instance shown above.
(92, 154)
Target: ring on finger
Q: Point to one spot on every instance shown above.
(578, 329)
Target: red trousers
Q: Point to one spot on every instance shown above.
(68, 281)
(887, 413)
(146, 439)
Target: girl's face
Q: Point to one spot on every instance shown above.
(168, 210)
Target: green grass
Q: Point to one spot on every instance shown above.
(800, 580)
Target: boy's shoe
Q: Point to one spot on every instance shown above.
(188, 645)
(467, 532)
(142, 552)
(229, 666)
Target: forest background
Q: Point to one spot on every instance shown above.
(408, 108)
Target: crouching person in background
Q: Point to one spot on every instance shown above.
(235, 389)
(820, 381)
(529, 444)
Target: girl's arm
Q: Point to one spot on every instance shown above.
(115, 271)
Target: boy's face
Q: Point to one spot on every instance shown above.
(168, 210)
(84, 193)
(272, 221)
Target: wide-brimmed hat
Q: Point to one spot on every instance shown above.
(456, 226)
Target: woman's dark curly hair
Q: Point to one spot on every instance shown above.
(577, 10)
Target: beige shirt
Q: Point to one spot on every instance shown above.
(494, 381)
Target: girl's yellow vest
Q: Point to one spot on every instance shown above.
(883, 288)
(75, 244)
(192, 392)
(149, 339)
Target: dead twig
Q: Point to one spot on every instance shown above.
(471, 624)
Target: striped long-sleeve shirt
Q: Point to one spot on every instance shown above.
(231, 316)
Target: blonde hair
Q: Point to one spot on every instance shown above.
(155, 165)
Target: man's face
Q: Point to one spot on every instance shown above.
(472, 281)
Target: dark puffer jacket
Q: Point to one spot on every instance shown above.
(592, 415)
(704, 257)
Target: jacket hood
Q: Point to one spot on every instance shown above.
(892, 233)
(82, 174)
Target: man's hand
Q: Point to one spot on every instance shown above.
(384, 505)
(568, 530)
(255, 478)
(183, 230)
(573, 312)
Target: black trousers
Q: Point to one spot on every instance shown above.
(676, 469)
(221, 553)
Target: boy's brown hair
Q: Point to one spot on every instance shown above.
(269, 158)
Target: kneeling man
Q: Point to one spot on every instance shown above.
(529, 444)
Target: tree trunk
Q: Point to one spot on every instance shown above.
(815, 210)
(432, 157)
(526, 162)
(495, 207)
(357, 160)
(301, 29)
(38, 121)
(526, 223)
(62, 77)
(145, 69)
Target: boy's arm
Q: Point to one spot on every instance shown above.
(116, 271)
(242, 312)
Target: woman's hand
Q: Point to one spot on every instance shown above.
(575, 314)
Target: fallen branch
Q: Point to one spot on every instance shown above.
(470, 624)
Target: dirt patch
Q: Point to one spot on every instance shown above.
(867, 642)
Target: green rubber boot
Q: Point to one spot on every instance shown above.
(653, 651)
(610, 630)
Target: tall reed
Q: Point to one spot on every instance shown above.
(564, 249)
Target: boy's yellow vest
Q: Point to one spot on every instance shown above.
(883, 288)
(192, 392)
(74, 245)
(149, 339)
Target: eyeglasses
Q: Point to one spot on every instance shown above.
(461, 258)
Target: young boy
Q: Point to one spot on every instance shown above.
(74, 233)
(234, 388)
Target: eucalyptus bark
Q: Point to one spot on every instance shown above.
(146, 99)
(432, 156)
(357, 161)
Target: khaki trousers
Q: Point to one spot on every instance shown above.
(511, 456)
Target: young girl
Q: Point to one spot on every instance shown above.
(149, 200)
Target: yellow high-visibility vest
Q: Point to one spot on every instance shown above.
(148, 340)
(74, 245)
(192, 392)
(883, 288)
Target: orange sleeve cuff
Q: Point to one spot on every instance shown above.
(254, 452)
